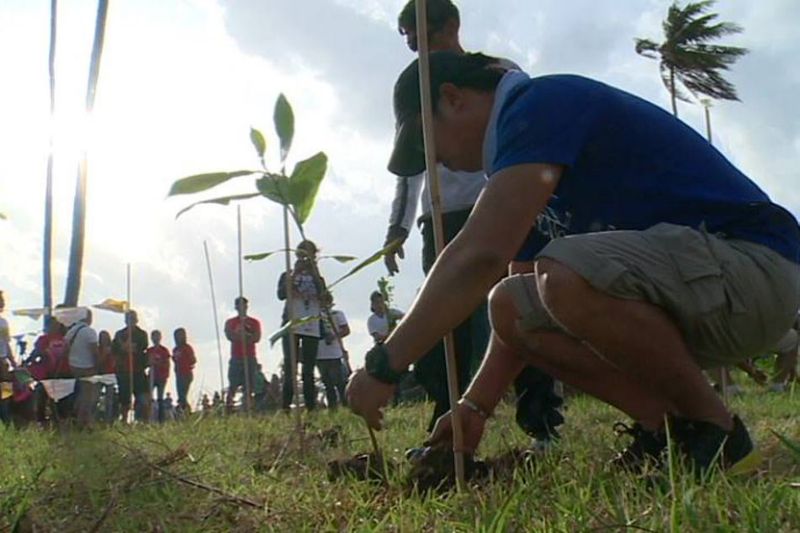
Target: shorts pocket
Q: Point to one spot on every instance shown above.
(699, 270)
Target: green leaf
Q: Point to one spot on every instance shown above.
(274, 187)
(284, 124)
(257, 138)
(340, 258)
(263, 255)
(225, 200)
(392, 246)
(202, 182)
(304, 184)
(275, 337)
(792, 446)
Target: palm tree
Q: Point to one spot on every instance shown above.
(686, 57)
(47, 282)
(79, 206)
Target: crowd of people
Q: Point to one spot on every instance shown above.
(83, 375)
(75, 373)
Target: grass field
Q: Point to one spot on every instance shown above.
(248, 474)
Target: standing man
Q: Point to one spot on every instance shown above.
(662, 259)
(331, 357)
(158, 359)
(5, 332)
(538, 404)
(6, 378)
(184, 359)
(307, 292)
(129, 347)
(83, 357)
(238, 328)
(383, 319)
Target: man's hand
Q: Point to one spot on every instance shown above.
(366, 396)
(472, 426)
(394, 233)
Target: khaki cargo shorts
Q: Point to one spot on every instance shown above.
(731, 299)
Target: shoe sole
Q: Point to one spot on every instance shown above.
(747, 464)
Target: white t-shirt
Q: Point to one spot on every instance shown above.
(81, 354)
(380, 324)
(5, 339)
(305, 303)
(334, 349)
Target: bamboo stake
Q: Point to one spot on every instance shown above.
(436, 218)
(290, 333)
(242, 319)
(216, 318)
(132, 398)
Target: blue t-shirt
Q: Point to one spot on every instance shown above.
(629, 165)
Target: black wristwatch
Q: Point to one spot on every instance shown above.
(377, 365)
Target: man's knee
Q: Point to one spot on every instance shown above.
(546, 299)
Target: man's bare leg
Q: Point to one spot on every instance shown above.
(574, 363)
(634, 337)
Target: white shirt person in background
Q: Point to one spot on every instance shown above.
(382, 320)
(331, 358)
(83, 356)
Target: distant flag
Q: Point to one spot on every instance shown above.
(34, 313)
(115, 306)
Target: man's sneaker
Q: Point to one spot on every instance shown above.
(705, 444)
(644, 451)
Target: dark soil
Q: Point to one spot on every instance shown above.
(363, 467)
(434, 468)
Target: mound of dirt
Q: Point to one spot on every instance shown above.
(434, 468)
(363, 467)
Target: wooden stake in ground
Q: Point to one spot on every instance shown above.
(436, 217)
(287, 244)
(129, 326)
(242, 321)
(216, 318)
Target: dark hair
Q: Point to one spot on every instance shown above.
(375, 295)
(241, 299)
(471, 71)
(440, 12)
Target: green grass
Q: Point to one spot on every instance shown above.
(65, 482)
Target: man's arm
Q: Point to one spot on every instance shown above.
(475, 259)
(255, 335)
(229, 330)
(404, 209)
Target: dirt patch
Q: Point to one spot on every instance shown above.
(363, 467)
(434, 469)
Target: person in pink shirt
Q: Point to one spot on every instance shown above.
(184, 359)
(158, 361)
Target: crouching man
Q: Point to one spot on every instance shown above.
(653, 257)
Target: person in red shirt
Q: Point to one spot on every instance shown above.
(242, 366)
(184, 359)
(158, 360)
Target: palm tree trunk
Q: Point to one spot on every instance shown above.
(708, 123)
(672, 91)
(79, 206)
(47, 252)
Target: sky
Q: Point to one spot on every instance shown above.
(181, 83)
